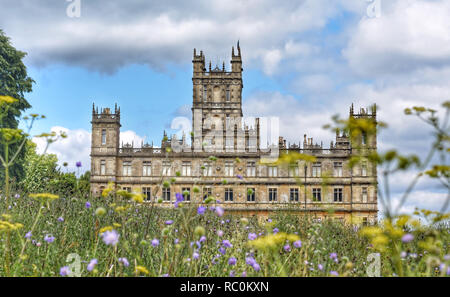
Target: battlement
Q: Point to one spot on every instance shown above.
(105, 115)
(200, 66)
(364, 112)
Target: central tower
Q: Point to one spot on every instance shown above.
(216, 96)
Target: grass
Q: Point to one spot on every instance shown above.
(327, 248)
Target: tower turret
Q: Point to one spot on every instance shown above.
(104, 147)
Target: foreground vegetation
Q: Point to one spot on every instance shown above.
(116, 236)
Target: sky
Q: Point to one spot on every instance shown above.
(304, 61)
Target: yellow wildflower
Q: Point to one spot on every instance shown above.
(141, 269)
(44, 197)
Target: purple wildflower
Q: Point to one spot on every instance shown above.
(124, 261)
(92, 264)
(244, 274)
(201, 210)
(222, 250)
(275, 230)
(232, 273)
(334, 273)
(155, 242)
(226, 243)
(252, 236)
(28, 235)
(203, 238)
(169, 222)
(333, 256)
(219, 211)
(298, 244)
(287, 248)
(256, 266)
(320, 267)
(407, 238)
(78, 164)
(250, 261)
(88, 204)
(60, 219)
(195, 255)
(232, 261)
(110, 237)
(49, 238)
(220, 233)
(179, 197)
(65, 271)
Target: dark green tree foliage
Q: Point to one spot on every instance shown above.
(42, 174)
(14, 82)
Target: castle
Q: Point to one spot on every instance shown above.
(225, 159)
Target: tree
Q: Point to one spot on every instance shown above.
(40, 170)
(14, 82)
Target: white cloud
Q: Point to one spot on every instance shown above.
(131, 137)
(419, 199)
(77, 146)
(295, 120)
(111, 34)
(410, 34)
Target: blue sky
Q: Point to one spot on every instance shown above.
(303, 60)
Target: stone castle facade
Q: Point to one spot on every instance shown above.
(225, 159)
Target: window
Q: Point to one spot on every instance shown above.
(338, 195)
(128, 189)
(127, 168)
(206, 192)
(228, 194)
(293, 171)
(186, 194)
(251, 194)
(186, 169)
(364, 169)
(229, 168)
(272, 171)
(294, 194)
(166, 194)
(147, 168)
(166, 168)
(317, 169)
(251, 169)
(338, 169)
(102, 167)
(228, 93)
(207, 171)
(272, 194)
(147, 191)
(317, 194)
(364, 194)
(102, 188)
(365, 221)
(205, 93)
(364, 138)
(103, 136)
